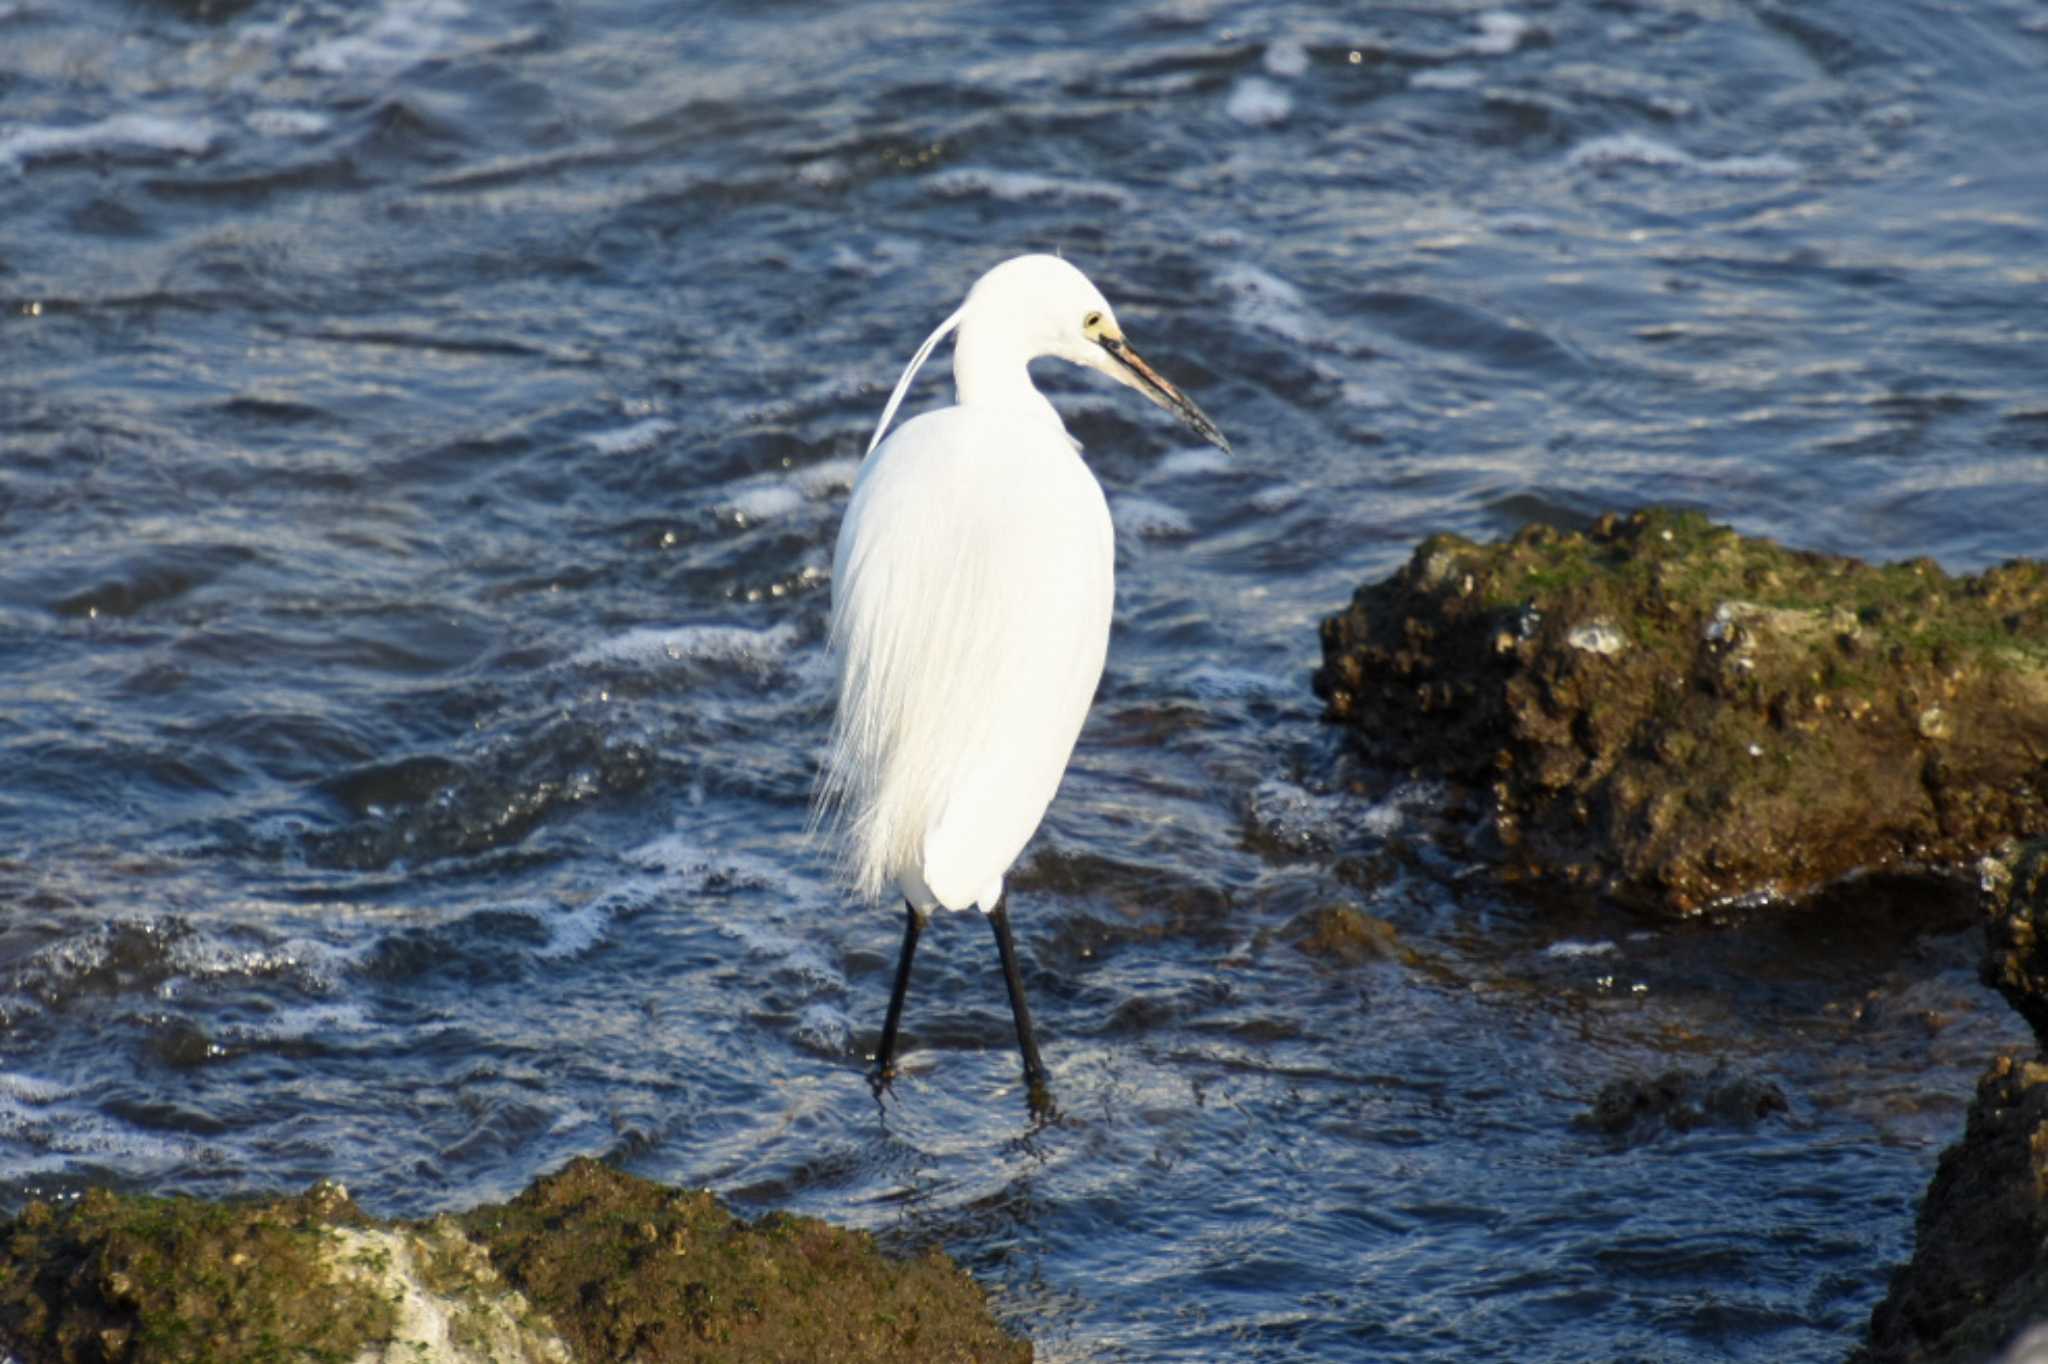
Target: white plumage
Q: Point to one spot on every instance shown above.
(972, 587)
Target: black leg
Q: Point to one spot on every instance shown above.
(913, 924)
(1034, 1069)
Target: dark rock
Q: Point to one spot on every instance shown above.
(2016, 948)
(1978, 1275)
(1979, 1272)
(1636, 1110)
(1667, 712)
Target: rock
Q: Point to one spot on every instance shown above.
(586, 1265)
(1979, 1272)
(2016, 948)
(1341, 934)
(1637, 1109)
(1978, 1276)
(1678, 716)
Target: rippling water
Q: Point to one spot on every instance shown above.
(425, 424)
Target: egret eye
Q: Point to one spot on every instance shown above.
(1091, 322)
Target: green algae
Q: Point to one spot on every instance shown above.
(632, 1270)
(184, 1281)
(588, 1264)
(1678, 715)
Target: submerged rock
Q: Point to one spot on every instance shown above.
(586, 1265)
(1638, 1109)
(1676, 715)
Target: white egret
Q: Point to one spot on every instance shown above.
(971, 592)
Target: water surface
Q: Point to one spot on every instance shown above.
(425, 425)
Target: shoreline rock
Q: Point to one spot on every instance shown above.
(1979, 1272)
(588, 1264)
(1671, 714)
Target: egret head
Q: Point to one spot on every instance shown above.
(1050, 308)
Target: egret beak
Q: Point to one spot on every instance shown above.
(1148, 381)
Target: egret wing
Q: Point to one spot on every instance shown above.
(972, 592)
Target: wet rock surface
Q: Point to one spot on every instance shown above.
(1978, 1276)
(1667, 712)
(588, 1264)
(1979, 1273)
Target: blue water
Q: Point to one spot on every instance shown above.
(422, 431)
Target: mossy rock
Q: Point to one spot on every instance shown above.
(183, 1281)
(587, 1265)
(633, 1271)
(1670, 713)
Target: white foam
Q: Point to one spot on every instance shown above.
(1296, 818)
(1637, 149)
(880, 258)
(1311, 822)
(1258, 102)
(1447, 78)
(823, 1028)
(1285, 57)
(969, 182)
(631, 440)
(44, 1127)
(1193, 459)
(681, 857)
(1215, 682)
(290, 1025)
(311, 965)
(1263, 300)
(734, 644)
(764, 502)
(29, 1089)
(1371, 397)
(403, 33)
(1500, 32)
(826, 172)
(1277, 497)
(1150, 520)
(1571, 948)
(287, 122)
(828, 477)
(121, 132)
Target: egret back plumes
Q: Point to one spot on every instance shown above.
(972, 586)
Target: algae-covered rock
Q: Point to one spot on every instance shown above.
(113, 1278)
(1677, 715)
(1341, 934)
(587, 1265)
(633, 1271)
